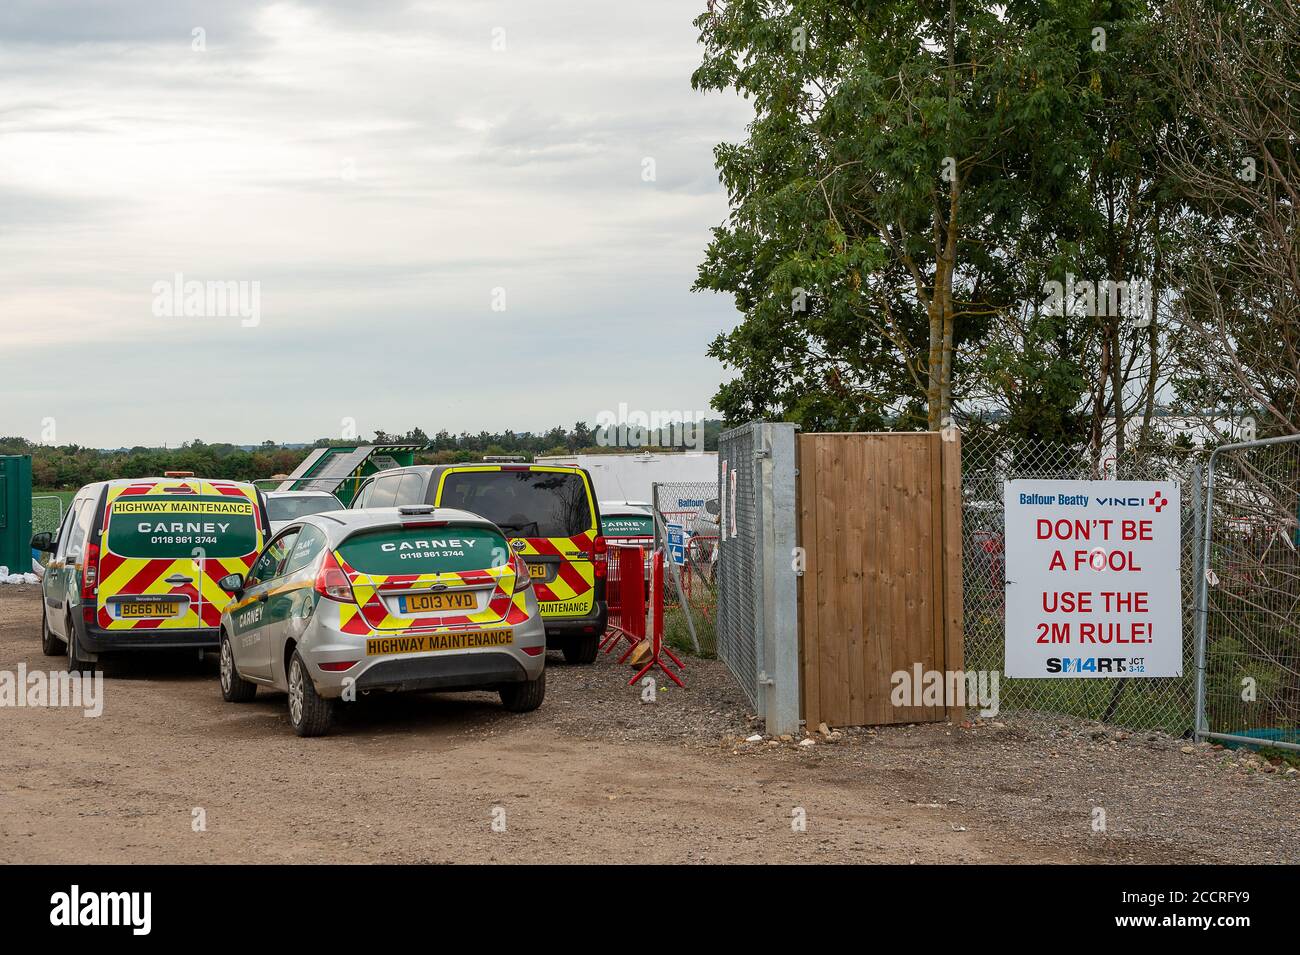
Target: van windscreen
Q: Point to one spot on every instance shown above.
(522, 503)
(437, 550)
(293, 506)
(155, 526)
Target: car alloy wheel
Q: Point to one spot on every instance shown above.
(295, 692)
(227, 666)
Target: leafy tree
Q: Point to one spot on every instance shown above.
(900, 154)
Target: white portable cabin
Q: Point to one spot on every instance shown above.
(632, 476)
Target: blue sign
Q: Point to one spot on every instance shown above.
(676, 543)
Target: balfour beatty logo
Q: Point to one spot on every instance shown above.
(433, 544)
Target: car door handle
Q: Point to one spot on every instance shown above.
(261, 598)
(179, 579)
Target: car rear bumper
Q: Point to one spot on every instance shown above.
(467, 671)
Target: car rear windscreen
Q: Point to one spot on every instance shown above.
(627, 525)
(292, 508)
(156, 526)
(522, 503)
(437, 550)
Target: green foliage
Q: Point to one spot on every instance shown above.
(891, 148)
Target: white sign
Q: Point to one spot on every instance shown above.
(1092, 570)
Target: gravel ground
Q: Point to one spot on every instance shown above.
(596, 775)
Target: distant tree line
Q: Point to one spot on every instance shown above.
(71, 466)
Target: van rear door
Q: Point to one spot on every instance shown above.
(549, 514)
(164, 546)
(431, 573)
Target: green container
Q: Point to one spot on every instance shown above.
(16, 512)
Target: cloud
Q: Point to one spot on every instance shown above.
(379, 169)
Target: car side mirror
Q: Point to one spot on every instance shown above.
(44, 542)
(231, 583)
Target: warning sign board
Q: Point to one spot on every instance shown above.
(1092, 572)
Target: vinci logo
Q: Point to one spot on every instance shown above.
(1157, 499)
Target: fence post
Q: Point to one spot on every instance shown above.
(661, 545)
(1201, 523)
(779, 679)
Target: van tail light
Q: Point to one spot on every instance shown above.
(90, 572)
(89, 582)
(600, 557)
(522, 579)
(331, 582)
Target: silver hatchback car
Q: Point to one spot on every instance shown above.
(384, 599)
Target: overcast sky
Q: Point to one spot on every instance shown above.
(386, 173)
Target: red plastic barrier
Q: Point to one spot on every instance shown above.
(658, 651)
(626, 603)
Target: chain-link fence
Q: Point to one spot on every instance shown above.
(1250, 592)
(739, 572)
(989, 461)
(694, 507)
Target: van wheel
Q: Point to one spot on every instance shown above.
(234, 688)
(51, 645)
(309, 713)
(582, 649)
(524, 697)
(76, 662)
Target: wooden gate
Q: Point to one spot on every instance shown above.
(880, 524)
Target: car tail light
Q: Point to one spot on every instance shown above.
(599, 557)
(331, 582)
(337, 667)
(534, 651)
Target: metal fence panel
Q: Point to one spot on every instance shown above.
(739, 570)
(987, 462)
(1250, 595)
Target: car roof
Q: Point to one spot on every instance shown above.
(313, 492)
(608, 508)
(476, 466)
(350, 520)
